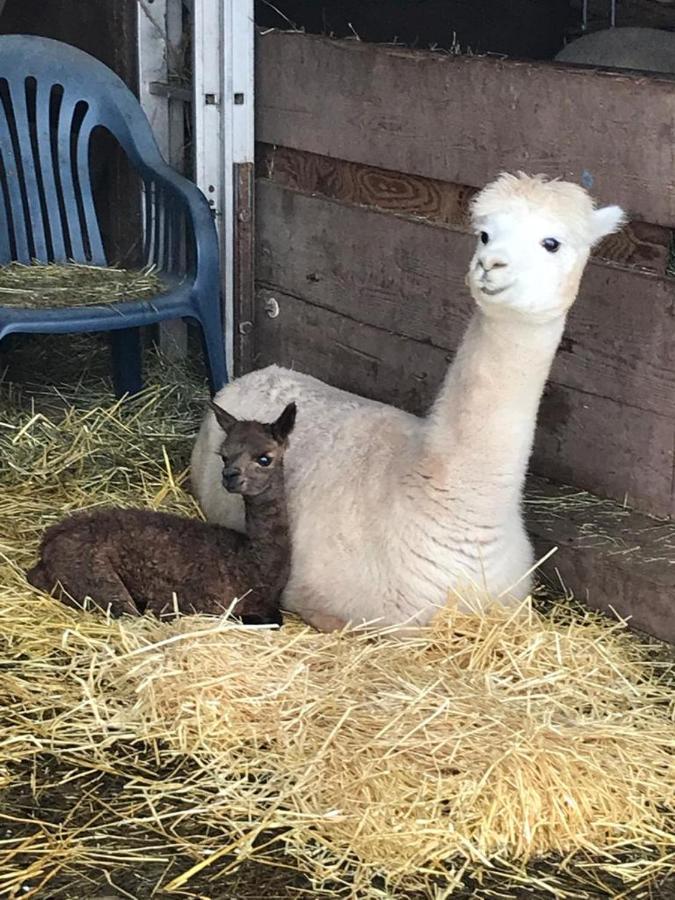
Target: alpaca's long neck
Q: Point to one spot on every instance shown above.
(484, 418)
(267, 519)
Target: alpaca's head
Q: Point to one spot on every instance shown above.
(253, 452)
(534, 238)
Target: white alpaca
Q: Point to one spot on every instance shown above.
(391, 514)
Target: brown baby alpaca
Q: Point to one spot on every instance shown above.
(133, 560)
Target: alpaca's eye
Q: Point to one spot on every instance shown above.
(225, 459)
(550, 244)
(264, 461)
(484, 236)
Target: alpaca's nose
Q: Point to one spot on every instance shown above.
(231, 478)
(488, 261)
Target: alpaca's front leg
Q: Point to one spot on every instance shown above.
(105, 588)
(109, 595)
(39, 577)
(323, 621)
(71, 572)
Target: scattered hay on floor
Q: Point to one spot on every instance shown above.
(486, 740)
(54, 285)
(376, 764)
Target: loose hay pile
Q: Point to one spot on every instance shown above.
(41, 286)
(375, 764)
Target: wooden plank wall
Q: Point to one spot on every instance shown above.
(367, 159)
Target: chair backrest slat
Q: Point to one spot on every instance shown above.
(48, 99)
(21, 96)
(18, 224)
(6, 254)
(166, 234)
(68, 176)
(89, 220)
(149, 222)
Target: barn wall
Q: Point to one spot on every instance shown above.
(367, 158)
(104, 28)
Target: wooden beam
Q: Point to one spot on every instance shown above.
(244, 286)
(376, 304)
(464, 119)
(638, 244)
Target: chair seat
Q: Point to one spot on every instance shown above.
(173, 303)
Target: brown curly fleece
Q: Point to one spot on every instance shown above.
(134, 561)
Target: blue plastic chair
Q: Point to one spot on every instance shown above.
(52, 96)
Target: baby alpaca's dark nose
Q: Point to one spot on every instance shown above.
(231, 479)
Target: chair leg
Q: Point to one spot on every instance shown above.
(213, 344)
(127, 361)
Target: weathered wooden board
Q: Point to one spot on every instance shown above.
(464, 119)
(408, 277)
(615, 560)
(637, 244)
(606, 447)
(106, 30)
(593, 442)
(365, 185)
(244, 286)
(348, 353)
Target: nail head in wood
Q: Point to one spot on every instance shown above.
(271, 308)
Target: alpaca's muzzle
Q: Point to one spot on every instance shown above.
(233, 481)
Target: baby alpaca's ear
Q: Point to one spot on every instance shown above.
(284, 424)
(606, 220)
(225, 420)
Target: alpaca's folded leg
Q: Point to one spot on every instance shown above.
(323, 621)
(38, 576)
(164, 608)
(107, 590)
(89, 574)
(305, 601)
(314, 617)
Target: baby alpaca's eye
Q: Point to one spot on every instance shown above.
(550, 244)
(264, 461)
(484, 236)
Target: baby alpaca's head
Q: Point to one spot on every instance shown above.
(252, 452)
(534, 238)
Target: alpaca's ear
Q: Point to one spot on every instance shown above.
(605, 221)
(284, 424)
(225, 420)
